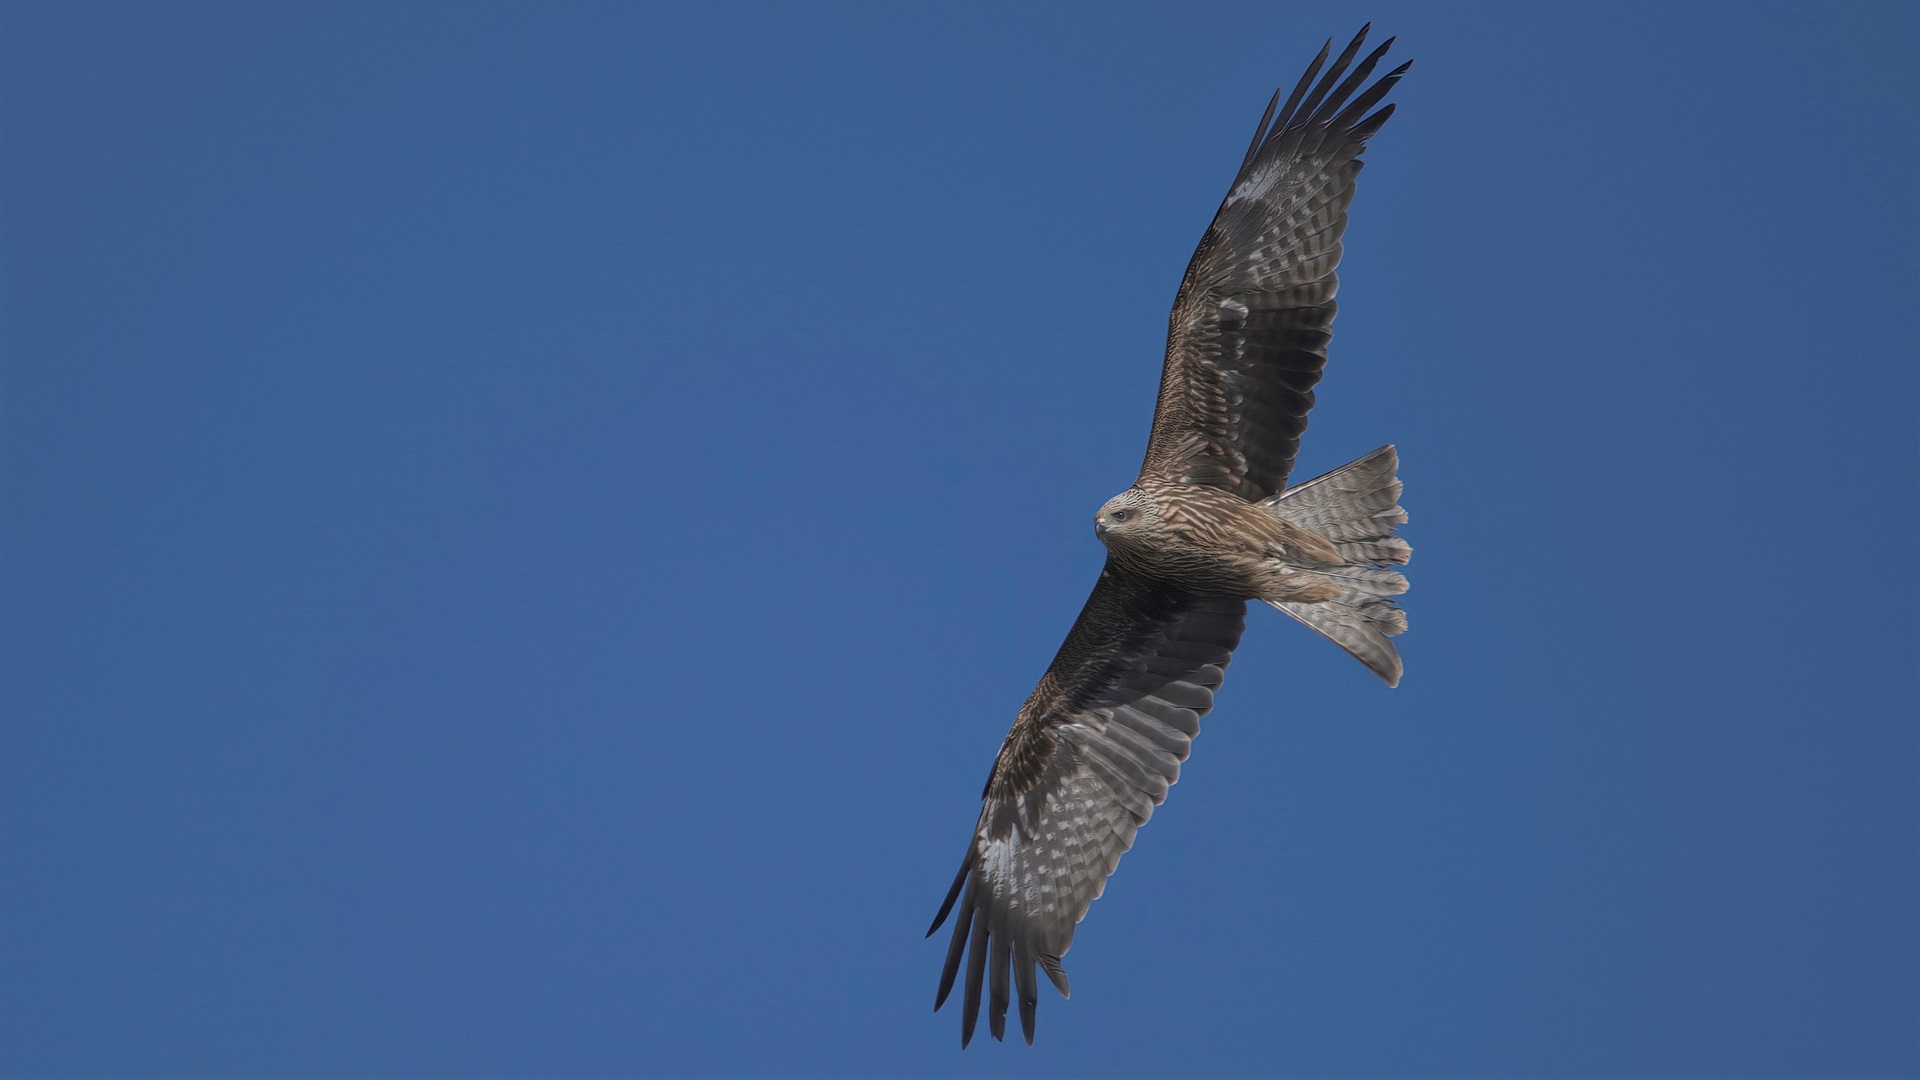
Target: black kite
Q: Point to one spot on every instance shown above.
(1209, 524)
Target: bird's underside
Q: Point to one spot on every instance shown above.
(1209, 525)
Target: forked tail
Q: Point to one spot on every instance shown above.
(1356, 506)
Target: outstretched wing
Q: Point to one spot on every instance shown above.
(1248, 335)
(1091, 753)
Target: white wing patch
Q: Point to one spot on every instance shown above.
(1257, 183)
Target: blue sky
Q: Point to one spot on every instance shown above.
(525, 526)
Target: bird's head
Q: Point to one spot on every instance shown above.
(1127, 516)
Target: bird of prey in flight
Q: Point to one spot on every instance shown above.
(1208, 525)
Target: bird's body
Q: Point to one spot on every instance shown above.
(1209, 524)
(1212, 543)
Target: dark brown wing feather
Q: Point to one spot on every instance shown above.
(1248, 335)
(1092, 752)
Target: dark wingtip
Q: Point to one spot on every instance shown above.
(1293, 99)
(1366, 129)
(1260, 132)
(999, 963)
(951, 968)
(1056, 974)
(976, 970)
(1310, 107)
(1024, 962)
(953, 893)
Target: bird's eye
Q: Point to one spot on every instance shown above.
(1120, 515)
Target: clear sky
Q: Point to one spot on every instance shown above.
(525, 526)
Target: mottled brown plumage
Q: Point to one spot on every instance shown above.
(1208, 525)
(1212, 542)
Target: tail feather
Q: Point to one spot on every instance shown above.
(1356, 506)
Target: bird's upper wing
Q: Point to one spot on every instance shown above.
(1092, 752)
(1248, 335)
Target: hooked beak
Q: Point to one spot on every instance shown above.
(1099, 527)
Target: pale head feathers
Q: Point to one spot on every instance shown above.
(1129, 515)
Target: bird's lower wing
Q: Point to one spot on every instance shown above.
(1093, 751)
